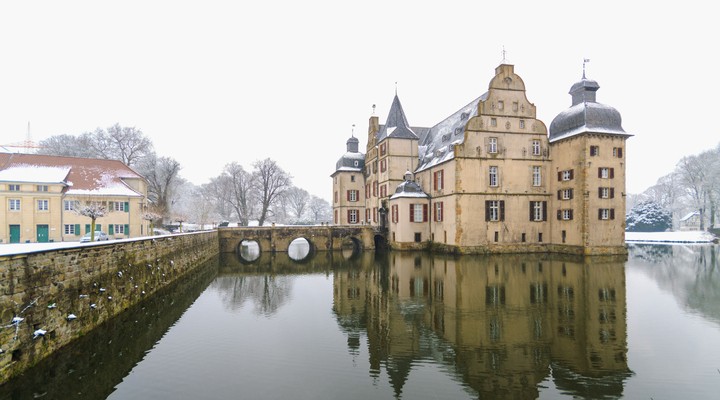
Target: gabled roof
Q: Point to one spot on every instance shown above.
(81, 176)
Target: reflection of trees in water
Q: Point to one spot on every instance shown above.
(690, 273)
(267, 292)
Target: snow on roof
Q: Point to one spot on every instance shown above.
(34, 173)
(690, 215)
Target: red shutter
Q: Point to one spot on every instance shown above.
(487, 210)
(502, 210)
(559, 194)
(612, 173)
(531, 210)
(599, 172)
(412, 212)
(619, 152)
(571, 214)
(600, 213)
(559, 215)
(571, 194)
(612, 193)
(348, 216)
(599, 193)
(572, 174)
(347, 195)
(612, 213)
(425, 213)
(544, 210)
(559, 176)
(435, 187)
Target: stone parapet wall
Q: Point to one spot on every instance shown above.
(49, 298)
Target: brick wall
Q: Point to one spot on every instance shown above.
(40, 290)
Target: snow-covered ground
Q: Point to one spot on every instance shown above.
(21, 248)
(669, 237)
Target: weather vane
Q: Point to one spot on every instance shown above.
(352, 131)
(504, 54)
(585, 61)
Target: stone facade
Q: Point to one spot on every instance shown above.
(50, 298)
(494, 179)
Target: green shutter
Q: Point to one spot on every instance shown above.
(127, 206)
(98, 227)
(87, 228)
(77, 229)
(127, 229)
(110, 229)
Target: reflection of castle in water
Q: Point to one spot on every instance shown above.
(502, 324)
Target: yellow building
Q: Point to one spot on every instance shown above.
(40, 194)
(490, 178)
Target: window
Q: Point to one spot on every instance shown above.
(522, 124)
(367, 191)
(594, 151)
(565, 194)
(367, 215)
(394, 213)
(536, 147)
(352, 195)
(439, 211)
(70, 229)
(538, 211)
(501, 105)
(438, 180)
(118, 229)
(383, 165)
(42, 205)
(566, 214)
(375, 189)
(352, 178)
(14, 188)
(493, 121)
(120, 206)
(375, 214)
(566, 175)
(383, 149)
(69, 205)
(353, 216)
(606, 173)
(606, 213)
(42, 188)
(493, 176)
(383, 191)
(492, 145)
(606, 193)
(418, 212)
(335, 196)
(515, 106)
(617, 152)
(14, 204)
(536, 176)
(494, 210)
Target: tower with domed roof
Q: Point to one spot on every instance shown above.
(348, 205)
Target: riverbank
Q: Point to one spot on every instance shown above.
(670, 237)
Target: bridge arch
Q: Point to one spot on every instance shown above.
(248, 250)
(301, 249)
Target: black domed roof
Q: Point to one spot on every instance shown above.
(586, 115)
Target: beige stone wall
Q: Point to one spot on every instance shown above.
(342, 182)
(95, 283)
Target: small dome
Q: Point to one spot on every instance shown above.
(586, 115)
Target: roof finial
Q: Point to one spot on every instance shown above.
(352, 132)
(373, 107)
(395, 88)
(585, 61)
(504, 54)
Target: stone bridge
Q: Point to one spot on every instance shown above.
(320, 237)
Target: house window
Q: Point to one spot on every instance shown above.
(493, 121)
(383, 191)
(375, 189)
(493, 176)
(353, 216)
(367, 191)
(606, 173)
(352, 195)
(606, 213)
(606, 193)
(383, 149)
(522, 124)
(394, 213)
(42, 205)
(418, 237)
(536, 147)
(352, 178)
(375, 214)
(14, 204)
(335, 197)
(501, 105)
(594, 150)
(565, 194)
(515, 106)
(42, 188)
(367, 215)
(494, 210)
(69, 229)
(566, 175)
(438, 180)
(566, 214)
(119, 229)
(539, 237)
(383, 165)
(418, 212)
(439, 211)
(69, 205)
(492, 145)
(617, 152)
(119, 206)
(14, 188)
(538, 211)
(536, 176)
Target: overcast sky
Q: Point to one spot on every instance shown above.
(212, 82)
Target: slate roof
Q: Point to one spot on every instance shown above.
(396, 125)
(437, 145)
(586, 115)
(81, 176)
(352, 160)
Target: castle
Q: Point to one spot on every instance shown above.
(489, 178)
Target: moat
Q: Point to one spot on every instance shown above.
(411, 326)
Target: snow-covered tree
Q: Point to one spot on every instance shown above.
(271, 182)
(648, 216)
(92, 210)
(320, 210)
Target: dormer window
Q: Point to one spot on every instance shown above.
(501, 105)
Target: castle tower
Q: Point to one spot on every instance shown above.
(588, 146)
(348, 206)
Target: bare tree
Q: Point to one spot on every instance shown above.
(93, 210)
(241, 193)
(218, 191)
(320, 209)
(163, 179)
(271, 182)
(66, 145)
(297, 201)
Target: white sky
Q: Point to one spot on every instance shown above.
(211, 82)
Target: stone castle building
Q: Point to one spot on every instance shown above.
(489, 178)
